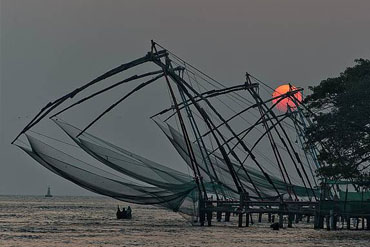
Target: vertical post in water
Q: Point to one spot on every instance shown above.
(298, 218)
(269, 218)
(202, 214)
(240, 222)
(209, 212)
(348, 222)
(209, 218)
(316, 219)
(327, 220)
(321, 222)
(335, 220)
(281, 219)
(331, 219)
(227, 216)
(247, 216)
(241, 209)
(219, 216)
(290, 220)
(259, 217)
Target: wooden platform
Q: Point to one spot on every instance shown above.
(293, 211)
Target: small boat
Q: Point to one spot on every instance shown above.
(48, 194)
(124, 214)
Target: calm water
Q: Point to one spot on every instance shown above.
(90, 221)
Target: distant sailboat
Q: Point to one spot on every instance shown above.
(48, 194)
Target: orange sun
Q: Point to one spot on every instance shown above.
(284, 103)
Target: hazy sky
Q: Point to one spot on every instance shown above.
(51, 47)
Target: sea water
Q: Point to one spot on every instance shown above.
(90, 221)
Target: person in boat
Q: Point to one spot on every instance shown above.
(118, 213)
(123, 214)
(128, 213)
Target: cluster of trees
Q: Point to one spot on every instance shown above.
(340, 111)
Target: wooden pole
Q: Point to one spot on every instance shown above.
(281, 220)
(290, 220)
(327, 220)
(297, 218)
(240, 222)
(321, 222)
(348, 222)
(259, 217)
(335, 220)
(247, 219)
(209, 218)
(240, 209)
(202, 214)
(219, 216)
(316, 220)
(227, 216)
(331, 219)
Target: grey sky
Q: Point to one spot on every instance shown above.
(51, 47)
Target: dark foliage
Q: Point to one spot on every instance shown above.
(341, 123)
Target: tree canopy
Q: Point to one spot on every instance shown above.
(340, 113)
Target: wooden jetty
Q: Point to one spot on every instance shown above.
(326, 214)
(244, 209)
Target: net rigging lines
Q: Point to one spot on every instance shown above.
(220, 130)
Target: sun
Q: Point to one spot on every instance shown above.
(284, 103)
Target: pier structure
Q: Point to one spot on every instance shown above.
(326, 214)
(293, 211)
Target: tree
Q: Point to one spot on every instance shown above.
(340, 111)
